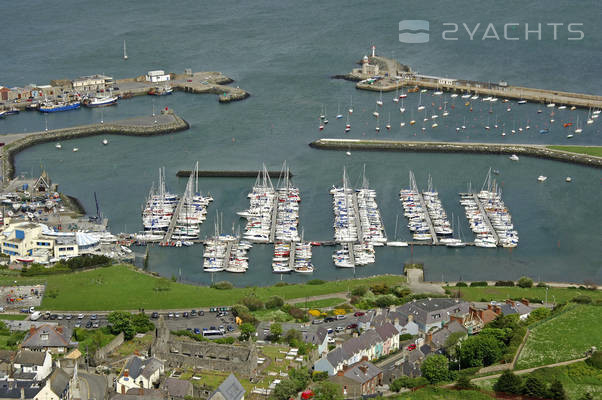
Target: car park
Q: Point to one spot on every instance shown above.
(93, 317)
(352, 326)
(330, 319)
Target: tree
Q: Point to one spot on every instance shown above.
(284, 390)
(538, 314)
(359, 291)
(525, 282)
(534, 387)
(142, 323)
(557, 391)
(464, 383)
(327, 390)
(274, 302)
(435, 368)
(275, 332)
(246, 330)
(480, 350)
(300, 377)
(121, 321)
(293, 335)
(587, 396)
(508, 383)
(252, 303)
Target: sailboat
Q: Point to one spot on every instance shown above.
(377, 125)
(125, 53)
(396, 243)
(420, 106)
(388, 126)
(380, 100)
(348, 125)
(396, 98)
(339, 115)
(351, 105)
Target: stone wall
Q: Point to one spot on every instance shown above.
(101, 354)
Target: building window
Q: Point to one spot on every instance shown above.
(44, 336)
(437, 316)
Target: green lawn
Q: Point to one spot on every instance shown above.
(121, 287)
(565, 337)
(92, 339)
(13, 317)
(500, 293)
(330, 302)
(439, 393)
(591, 150)
(577, 379)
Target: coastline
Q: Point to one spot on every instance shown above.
(538, 151)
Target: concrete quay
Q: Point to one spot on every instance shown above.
(139, 126)
(383, 74)
(531, 150)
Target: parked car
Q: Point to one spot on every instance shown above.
(330, 319)
(80, 316)
(54, 316)
(60, 317)
(170, 315)
(177, 315)
(230, 328)
(68, 317)
(95, 324)
(330, 330)
(185, 314)
(193, 313)
(197, 331)
(411, 347)
(331, 339)
(317, 321)
(352, 326)
(343, 316)
(93, 317)
(155, 315)
(201, 313)
(359, 314)
(78, 324)
(339, 328)
(88, 324)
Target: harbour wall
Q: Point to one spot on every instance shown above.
(447, 147)
(139, 126)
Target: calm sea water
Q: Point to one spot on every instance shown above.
(284, 55)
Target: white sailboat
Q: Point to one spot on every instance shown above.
(125, 53)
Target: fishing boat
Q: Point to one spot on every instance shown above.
(58, 106)
(100, 101)
(161, 91)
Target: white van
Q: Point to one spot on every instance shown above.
(35, 316)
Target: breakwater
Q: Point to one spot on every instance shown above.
(139, 126)
(447, 147)
(231, 174)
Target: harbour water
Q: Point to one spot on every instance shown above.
(283, 54)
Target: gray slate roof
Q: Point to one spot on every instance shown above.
(58, 336)
(424, 310)
(518, 308)
(440, 336)
(362, 372)
(337, 356)
(230, 389)
(12, 389)
(387, 331)
(136, 366)
(27, 357)
(316, 337)
(59, 380)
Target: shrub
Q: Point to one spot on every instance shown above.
(463, 382)
(298, 314)
(280, 284)
(504, 283)
(557, 391)
(274, 302)
(478, 283)
(525, 282)
(435, 368)
(225, 340)
(401, 291)
(542, 285)
(319, 376)
(508, 383)
(359, 291)
(380, 288)
(405, 336)
(252, 303)
(461, 284)
(316, 282)
(222, 285)
(582, 299)
(386, 300)
(595, 360)
(534, 387)
(355, 299)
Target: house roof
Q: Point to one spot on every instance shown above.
(415, 355)
(230, 389)
(387, 331)
(316, 337)
(12, 389)
(369, 339)
(137, 366)
(362, 372)
(27, 357)
(516, 308)
(337, 356)
(59, 380)
(441, 335)
(142, 394)
(352, 346)
(424, 310)
(58, 336)
(178, 387)
(74, 354)
(7, 356)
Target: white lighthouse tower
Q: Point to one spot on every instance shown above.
(373, 51)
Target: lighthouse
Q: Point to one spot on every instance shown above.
(373, 51)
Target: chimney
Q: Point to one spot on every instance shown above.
(508, 301)
(365, 358)
(410, 318)
(497, 310)
(524, 301)
(429, 338)
(341, 372)
(363, 368)
(126, 373)
(32, 330)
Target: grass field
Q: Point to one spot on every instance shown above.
(565, 337)
(121, 287)
(14, 317)
(322, 303)
(500, 293)
(591, 150)
(577, 379)
(438, 393)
